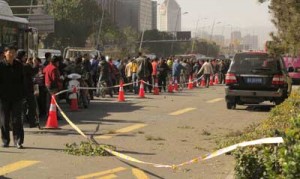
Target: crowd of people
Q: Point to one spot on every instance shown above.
(27, 84)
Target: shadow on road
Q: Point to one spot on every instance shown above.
(257, 108)
(95, 114)
(40, 148)
(136, 153)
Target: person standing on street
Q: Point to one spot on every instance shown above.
(1, 54)
(105, 74)
(134, 68)
(30, 113)
(48, 56)
(53, 82)
(128, 74)
(39, 79)
(11, 94)
(163, 70)
(176, 70)
(207, 71)
(154, 70)
(143, 72)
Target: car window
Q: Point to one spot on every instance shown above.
(253, 63)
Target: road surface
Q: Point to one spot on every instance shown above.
(164, 129)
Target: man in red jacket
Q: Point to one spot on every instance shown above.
(53, 82)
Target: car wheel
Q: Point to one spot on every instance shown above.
(279, 101)
(230, 105)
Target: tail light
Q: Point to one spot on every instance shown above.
(278, 80)
(230, 79)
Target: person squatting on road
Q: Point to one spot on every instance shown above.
(12, 90)
(206, 70)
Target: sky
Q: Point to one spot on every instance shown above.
(247, 16)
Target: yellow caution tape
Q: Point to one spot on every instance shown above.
(69, 121)
(271, 140)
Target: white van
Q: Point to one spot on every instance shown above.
(42, 52)
(73, 52)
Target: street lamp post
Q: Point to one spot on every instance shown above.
(211, 34)
(176, 24)
(193, 44)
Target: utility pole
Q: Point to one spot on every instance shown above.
(101, 22)
(142, 39)
(194, 41)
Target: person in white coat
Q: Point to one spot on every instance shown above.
(207, 70)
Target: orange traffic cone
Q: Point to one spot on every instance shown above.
(142, 91)
(121, 97)
(190, 84)
(216, 79)
(176, 85)
(74, 100)
(52, 116)
(211, 81)
(170, 87)
(203, 82)
(156, 89)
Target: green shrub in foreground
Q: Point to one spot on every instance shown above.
(271, 161)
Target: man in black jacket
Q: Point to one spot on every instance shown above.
(11, 95)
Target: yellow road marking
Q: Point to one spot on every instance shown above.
(122, 131)
(182, 111)
(107, 172)
(16, 166)
(215, 100)
(139, 174)
(108, 176)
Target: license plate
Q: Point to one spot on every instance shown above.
(254, 80)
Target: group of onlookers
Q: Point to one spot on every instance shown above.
(27, 84)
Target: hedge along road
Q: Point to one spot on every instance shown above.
(160, 137)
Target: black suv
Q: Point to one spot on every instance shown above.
(255, 77)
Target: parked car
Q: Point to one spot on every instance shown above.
(293, 67)
(255, 77)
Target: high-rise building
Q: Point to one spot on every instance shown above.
(236, 37)
(134, 13)
(154, 14)
(170, 16)
(110, 6)
(250, 42)
(219, 39)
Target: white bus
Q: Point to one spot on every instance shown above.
(14, 31)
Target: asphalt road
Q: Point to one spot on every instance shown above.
(164, 129)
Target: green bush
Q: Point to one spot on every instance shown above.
(271, 161)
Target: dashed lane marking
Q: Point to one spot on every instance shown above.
(110, 173)
(215, 100)
(122, 131)
(139, 174)
(16, 166)
(182, 111)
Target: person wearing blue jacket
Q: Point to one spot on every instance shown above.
(176, 70)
